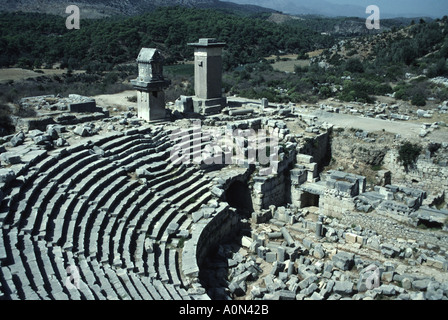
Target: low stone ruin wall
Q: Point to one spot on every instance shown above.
(431, 177)
(334, 205)
(319, 148)
(269, 191)
(206, 234)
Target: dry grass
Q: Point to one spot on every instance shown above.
(18, 74)
(437, 117)
(286, 56)
(315, 53)
(289, 66)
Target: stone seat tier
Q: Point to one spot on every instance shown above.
(184, 207)
(167, 268)
(36, 279)
(15, 270)
(184, 153)
(91, 279)
(37, 282)
(121, 230)
(184, 197)
(79, 207)
(52, 276)
(18, 194)
(82, 180)
(35, 196)
(111, 180)
(88, 180)
(112, 200)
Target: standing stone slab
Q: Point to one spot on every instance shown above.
(208, 76)
(271, 257)
(281, 254)
(286, 295)
(264, 104)
(150, 85)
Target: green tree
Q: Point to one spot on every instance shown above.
(418, 100)
(354, 65)
(325, 92)
(408, 154)
(110, 78)
(6, 125)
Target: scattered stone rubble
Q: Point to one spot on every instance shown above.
(72, 103)
(312, 234)
(440, 80)
(299, 261)
(395, 112)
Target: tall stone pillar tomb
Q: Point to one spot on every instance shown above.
(150, 85)
(208, 97)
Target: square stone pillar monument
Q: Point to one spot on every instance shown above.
(208, 97)
(150, 85)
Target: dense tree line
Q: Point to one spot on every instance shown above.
(420, 51)
(31, 40)
(102, 46)
(411, 50)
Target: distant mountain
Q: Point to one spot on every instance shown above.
(355, 8)
(314, 7)
(105, 8)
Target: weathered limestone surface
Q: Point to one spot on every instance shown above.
(150, 85)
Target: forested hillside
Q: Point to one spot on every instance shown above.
(32, 40)
(398, 61)
(95, 9)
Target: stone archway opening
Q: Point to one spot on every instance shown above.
(308, 199)
(238, 196)
(425, 224)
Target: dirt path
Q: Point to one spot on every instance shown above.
(406, 129)
(118, 100)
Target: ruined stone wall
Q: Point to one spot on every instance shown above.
(351, 151)
(269, 191)
(274, 189)
(425, 175)
(334, 205)
(206, 234)
(224, 225)
(319, 147)
(277, 190)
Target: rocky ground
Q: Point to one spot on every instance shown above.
(387, 115)
(356, 256)
(360, 257)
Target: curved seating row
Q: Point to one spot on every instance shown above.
(77, 222)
